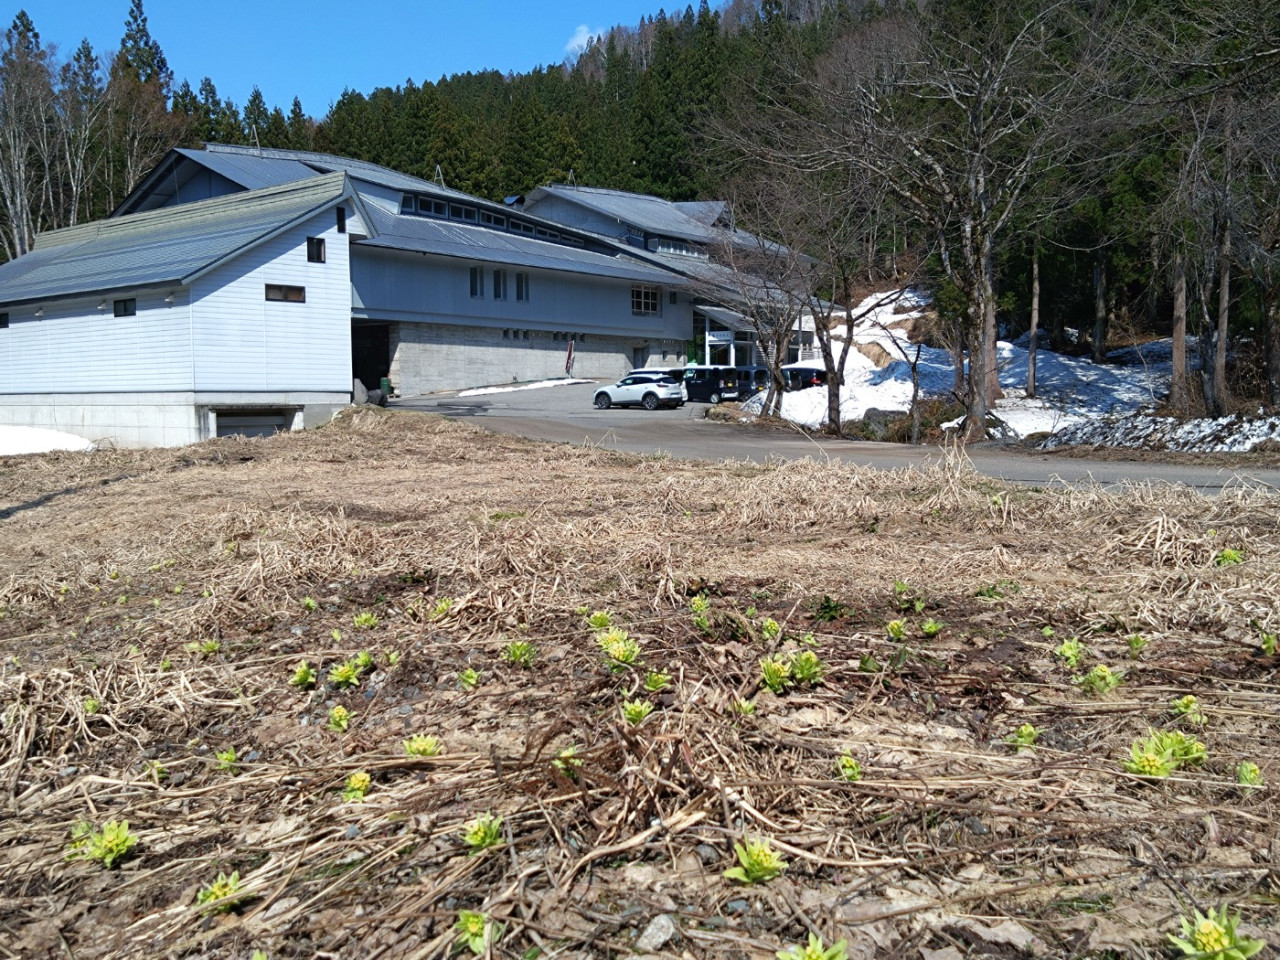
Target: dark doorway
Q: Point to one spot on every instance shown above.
(370, 353)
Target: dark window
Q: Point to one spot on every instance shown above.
(526, 334)
(4, 321)
(522, 287)
(315, 249)
(406, 203)
(342, 219)
(492, 219)
(477, 282)
(126, 308)
(499, 284)
(280, 293)
(671, 298)
(459, 212)
(646, 301)
(506, 334)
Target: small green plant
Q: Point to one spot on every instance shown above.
(335, 635)
(345, 674)
(393, 658)
(422, 745)
(1266, 638)
(365, 620)
(655, 681)
(1188, 709)
(205, 648)
(1047, 632)
(520, 653)
(226, 760)
(568, 762)
(619, 648)
(1148, 759)
(830, 609)
(869, 664)
(807, 667)
(1185, 750)
(1248, 774)
(108, 846)
(815, 950)
(442, 608)
(476, 931)
(1137, 643)
(775, 673)
(896, 629)
(91, 705)
(1024, 737)
(744, 708)
(339, 719)
(363, 661)
(483, 832)
(304, 676)
(750, 613)
(770, 629)
(635, 711)
(356, 787)
(758, 862)
(156, 771)
(998, 590)
(309, 604)
(931, 628)
(1070, 652)
(1228, 557)
(469, 679)
(1099, 681)
(1213, 935)
(848, 767)
(166, 664)
(700, 604)
(224, 888)
(600, 620)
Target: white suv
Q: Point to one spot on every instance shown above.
(649, 390)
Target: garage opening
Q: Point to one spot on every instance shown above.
(370, 353)
(256, 422)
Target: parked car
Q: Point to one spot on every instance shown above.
(752, 380)
(802, 376)
(676, 374)
(708, 384)
(648, 390)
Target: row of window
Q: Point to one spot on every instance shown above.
(500, 287)
(563, 337)
(464, 213)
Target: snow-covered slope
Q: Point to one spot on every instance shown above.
(1077, 400)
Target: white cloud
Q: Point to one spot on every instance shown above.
(578, 42)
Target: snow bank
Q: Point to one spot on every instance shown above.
(16, 441)
(1069, 389)
(1141, 430)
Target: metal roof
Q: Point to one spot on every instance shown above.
(168, 245)
(251, 172)
(652, 214)
(452, 239)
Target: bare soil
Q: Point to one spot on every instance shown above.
(154, 606)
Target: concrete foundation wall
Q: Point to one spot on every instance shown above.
(141, 420)
(428, 357)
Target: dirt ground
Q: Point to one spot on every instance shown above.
(155, 606)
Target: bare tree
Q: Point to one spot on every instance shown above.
(26, 110)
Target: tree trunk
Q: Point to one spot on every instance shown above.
(1222, 396)
(977, 405)
(1099, 307)
(1178, 381)
(1035, 323)
(1272, 306)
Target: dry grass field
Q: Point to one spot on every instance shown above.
(155, 607)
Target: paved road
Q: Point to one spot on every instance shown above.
(564, 414)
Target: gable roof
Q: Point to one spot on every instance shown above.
(170, 245)
(682, 221)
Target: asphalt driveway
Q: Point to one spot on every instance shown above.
(564, 414)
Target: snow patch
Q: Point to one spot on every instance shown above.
(19, 441)
(539, 385)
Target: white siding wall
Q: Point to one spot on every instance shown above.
(77, 347)
(242, 342)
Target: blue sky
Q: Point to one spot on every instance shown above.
(314, 49)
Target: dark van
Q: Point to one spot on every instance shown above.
(802, 376)
(752, 380)
(707, 384)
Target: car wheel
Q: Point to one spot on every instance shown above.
(603, 402)
(714, 398)
(650, 401)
